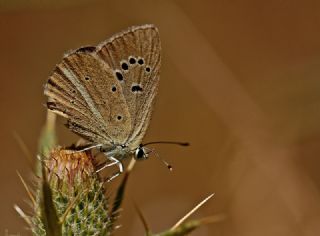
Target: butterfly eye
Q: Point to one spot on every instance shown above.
(140, 154)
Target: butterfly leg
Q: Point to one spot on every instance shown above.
(89, 147)
(114, 161)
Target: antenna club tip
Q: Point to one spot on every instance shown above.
(170, 168)
(185, 144)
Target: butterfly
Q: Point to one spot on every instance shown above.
(107, 92)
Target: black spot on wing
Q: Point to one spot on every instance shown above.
(136, 88)
(119, 76)
(124, 66)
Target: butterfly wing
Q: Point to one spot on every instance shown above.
(83, 89)
(134, 56)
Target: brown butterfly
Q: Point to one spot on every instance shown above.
(107, 92)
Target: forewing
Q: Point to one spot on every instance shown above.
(134, 56)
(83, 89)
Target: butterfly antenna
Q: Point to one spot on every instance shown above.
(164, 142)
(162, 160)
(168, 142)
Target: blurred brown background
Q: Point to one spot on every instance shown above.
(240, 81)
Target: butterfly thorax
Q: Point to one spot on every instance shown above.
(117, 151)
(121, 152)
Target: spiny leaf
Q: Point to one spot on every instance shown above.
(189, 226)
(48, 212)
(182, 229)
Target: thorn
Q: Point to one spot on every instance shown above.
(24, 148)
(191, 212)
(27, 189)
(22, 214)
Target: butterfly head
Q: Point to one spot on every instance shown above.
(141, 153)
